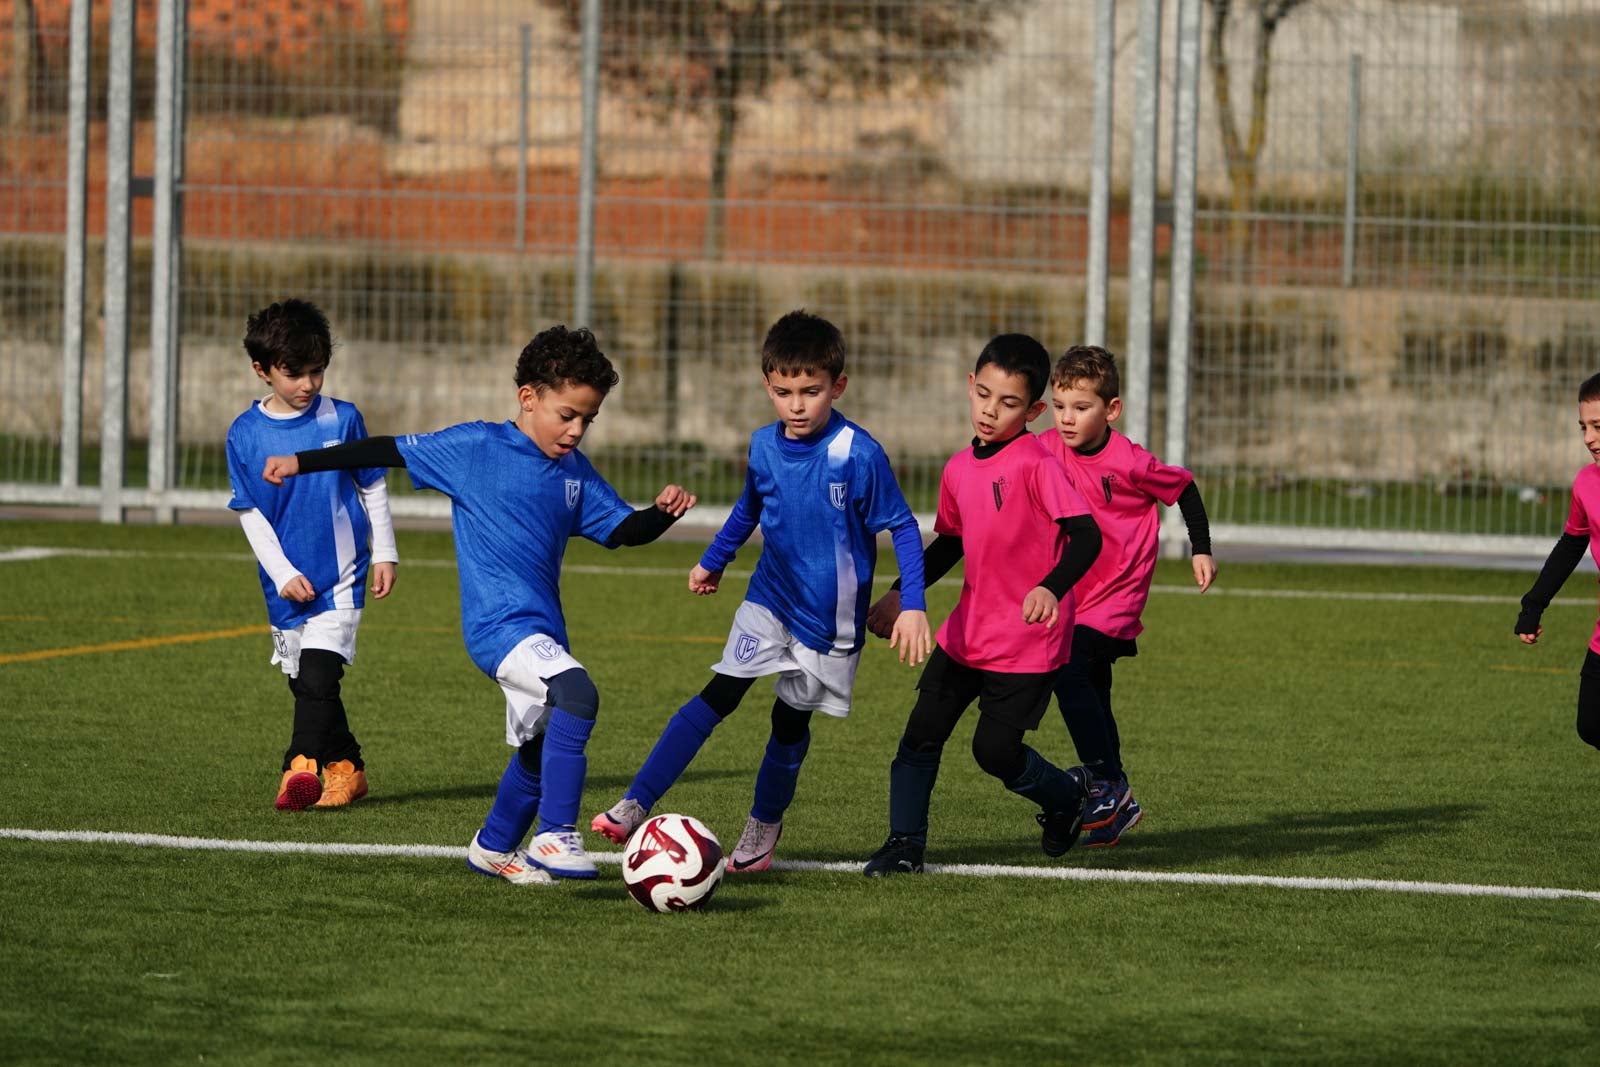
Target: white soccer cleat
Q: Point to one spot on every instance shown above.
(513, 866)
(618, 824)
(561, 853)
(755, 847)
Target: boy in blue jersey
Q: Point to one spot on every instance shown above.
(822, 490)
(310, 541)
(518, 491)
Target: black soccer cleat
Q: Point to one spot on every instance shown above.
(1061, 828)
(899, 855)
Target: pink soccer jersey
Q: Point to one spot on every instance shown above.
(1005, 510)
(1583, 520)
(1122, 483)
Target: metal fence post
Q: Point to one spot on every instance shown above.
(74, 277)
(1180, 299)
(1352, 170)
(163, 252)
(119, 179)
(1099, 265)
(583, 284)
(1142, 223)
(525, 64)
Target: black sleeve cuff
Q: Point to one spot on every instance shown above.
(1194, 518)
(1081, 552)
(367, 452)
(640, 528)
(1558, 567)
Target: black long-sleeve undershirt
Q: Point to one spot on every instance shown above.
(946, 550)
(1194, 519)
(640, 528)
(1558, 567)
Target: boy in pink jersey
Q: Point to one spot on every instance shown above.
(1122, 483)
(1582, 532)
(1027, 536)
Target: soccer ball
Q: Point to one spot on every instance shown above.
(672, 863)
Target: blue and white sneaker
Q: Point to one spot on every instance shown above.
(1126, 819)
(1107, 798)
(561, 853)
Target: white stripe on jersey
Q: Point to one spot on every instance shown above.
(844, 561)
(344, 537)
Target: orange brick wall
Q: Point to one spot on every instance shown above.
(278, 30)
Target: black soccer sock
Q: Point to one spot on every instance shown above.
(911, 779)
(321, 728)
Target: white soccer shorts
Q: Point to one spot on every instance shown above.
(522, 677)
(333, 631)
(807, 679)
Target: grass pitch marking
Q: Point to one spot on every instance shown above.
(960, 870)
(131, 646)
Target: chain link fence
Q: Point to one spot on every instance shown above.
(1395, 241)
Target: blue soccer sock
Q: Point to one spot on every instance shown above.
(564, 767)
(512, 812)
(911, 779)
(1047, 785)
(676, 748)
(777, 778)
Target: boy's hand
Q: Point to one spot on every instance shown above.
(703, 582)
(382, 580)
(1205, 570)
(298, 590)
(280, 467)
(1041, 605)
(675, 500)
(911, 637)
(882, 616)
(1533, 638)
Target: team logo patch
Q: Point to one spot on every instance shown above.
(999, 485)
(280, 643)
(1106, 482)
(546, 649)
(837, 492)
(574, 488)
(744, 649)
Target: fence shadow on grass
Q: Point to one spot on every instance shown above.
(1287, 834)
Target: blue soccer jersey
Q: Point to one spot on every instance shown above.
(319, 519)
(821, 502)
(513, 511)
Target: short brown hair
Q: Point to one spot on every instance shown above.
(1590, 389)
(1088, 363)
(803, 343)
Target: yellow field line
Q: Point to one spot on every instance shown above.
(131, 646)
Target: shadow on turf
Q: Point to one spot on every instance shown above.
(1287, 834)
(726, 899)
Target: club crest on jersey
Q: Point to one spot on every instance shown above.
(744, 649)
(1106, 482)
(837, 493)
(999, 485)
(574, 487)
(545, 648)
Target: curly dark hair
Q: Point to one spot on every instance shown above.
(292, 334)
(1019, 354)
(803, 343)
(1089, 363)
(559, 356)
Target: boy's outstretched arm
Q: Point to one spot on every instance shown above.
(367, 452)
(909, 634)
(647, 524)
(942, 553)
(1193, 510)
(1558, 567)
(741, 523)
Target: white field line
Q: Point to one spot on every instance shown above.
(960, 870)
(31, 552)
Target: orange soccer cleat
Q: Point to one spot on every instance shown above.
(300, 786)
(343, 784)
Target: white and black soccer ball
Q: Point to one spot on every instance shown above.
(672, 863)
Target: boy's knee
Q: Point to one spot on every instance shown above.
(320, 671)
(998, 750)
(574, 693)
(1589, 729)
